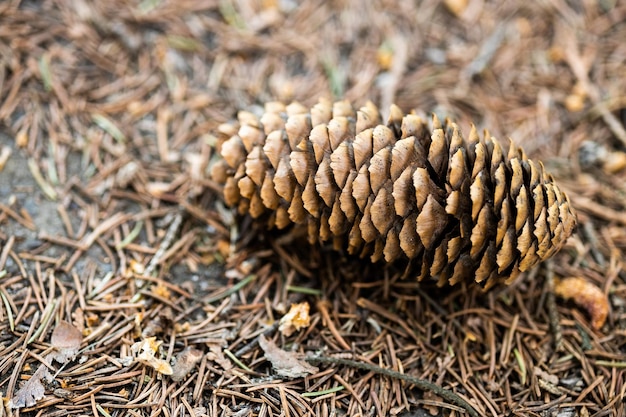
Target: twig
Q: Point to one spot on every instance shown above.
(419, 383)
(167, 242)
(553, 314)
(486, 53)
(598, 210)
(588, 231)
(600, 109)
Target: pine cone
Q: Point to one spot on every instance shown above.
(454, 209)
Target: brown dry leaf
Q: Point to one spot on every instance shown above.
(285, 363)
(185, 362)
(66, 340)
(146, 351)
(587, 296)
(548, 377)
(216, 355)
(159, 324)
(32, 390)
(296, 319)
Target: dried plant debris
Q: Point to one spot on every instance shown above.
(32, 390)
(185, 362)
(459, 209)
(147, 352)
(66, 340)
(587, 296)
(296, 318)
(286, 364)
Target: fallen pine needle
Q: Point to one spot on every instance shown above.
(131, 236)
(522, 365)
(7, 305)
(323, 392)
(236, 360)
(108, 126)
(232, 289)
(611, 364)
(46, 188)
(304, 290)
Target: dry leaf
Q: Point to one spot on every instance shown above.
(552, 379)
(32, 390)
(296, 319)
(66, 340)
(185, 362)
(216, 355)
(159, 324)
(587, 296)
(146, 351)
(285, 363)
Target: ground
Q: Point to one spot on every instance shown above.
(117, 251)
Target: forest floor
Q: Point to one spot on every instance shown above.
(128, 288)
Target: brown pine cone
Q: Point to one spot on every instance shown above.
(456, 209)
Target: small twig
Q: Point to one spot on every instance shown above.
(486, 53)
(167, 242)
(419, 383)
(600, 109)
(588, 231)
(599, 210)
(553, 314)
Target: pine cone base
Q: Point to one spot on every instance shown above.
(456, 209)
